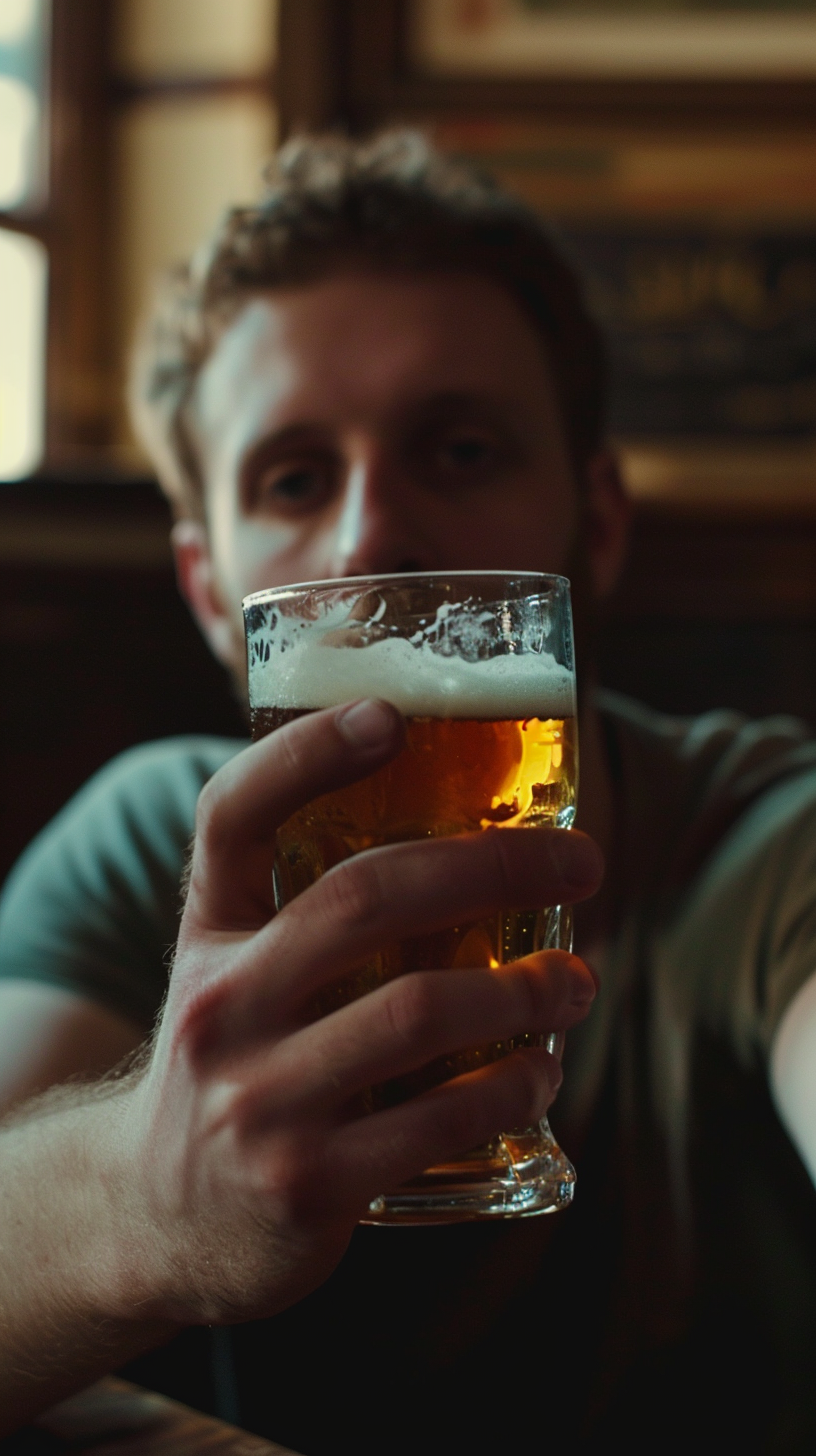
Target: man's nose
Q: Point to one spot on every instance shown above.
(376, 529)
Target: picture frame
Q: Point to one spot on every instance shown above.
(358, 64)
(606, 40)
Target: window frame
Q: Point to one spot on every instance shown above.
(71, 223)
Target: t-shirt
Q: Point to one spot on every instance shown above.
(675, 1303)
(94, 902)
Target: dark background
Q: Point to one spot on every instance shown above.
(710, 334)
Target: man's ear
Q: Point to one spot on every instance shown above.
(198, 585)
(607, 516)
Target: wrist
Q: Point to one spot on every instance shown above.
(75, 1285)
(131, 1271)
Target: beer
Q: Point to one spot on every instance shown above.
(454, 776)
(489, 742)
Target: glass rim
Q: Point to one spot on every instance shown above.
(270, 593)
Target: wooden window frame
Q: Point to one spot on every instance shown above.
(72, 225)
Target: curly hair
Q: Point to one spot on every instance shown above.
(389, 203)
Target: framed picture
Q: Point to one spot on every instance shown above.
(650, 63)
(712, 344)
(617, 39)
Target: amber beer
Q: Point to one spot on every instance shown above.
(454, 776)
(465, 767)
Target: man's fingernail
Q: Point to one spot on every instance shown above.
(366, 724)
(578, 858)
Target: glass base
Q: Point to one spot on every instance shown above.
(516, 1176)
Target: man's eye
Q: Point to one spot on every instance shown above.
(467, 451)
(293, 486)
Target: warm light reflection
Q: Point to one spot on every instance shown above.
(23, 275)
(539, 783)
(16, 19)
(18, 128)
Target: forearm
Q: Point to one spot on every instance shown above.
(793, 1073)
(74, 1281)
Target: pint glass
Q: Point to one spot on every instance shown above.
(481, 667)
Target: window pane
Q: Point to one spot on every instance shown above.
(23, 275)
(194, 37)
(180, 163)
(22, 90)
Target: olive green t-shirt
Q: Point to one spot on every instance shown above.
(683, 1279)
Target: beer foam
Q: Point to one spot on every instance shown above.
(419, 681)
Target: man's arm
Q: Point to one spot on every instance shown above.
(222, 1181)
(49, 1034)
(793, 1073)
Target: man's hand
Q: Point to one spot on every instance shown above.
(223, 1182)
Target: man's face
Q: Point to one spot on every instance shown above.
(379, 423)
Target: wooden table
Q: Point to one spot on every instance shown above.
(114, 1418)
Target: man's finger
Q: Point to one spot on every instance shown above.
(378, 1153)
(407, 890)
(410, 1022)
(243, 805)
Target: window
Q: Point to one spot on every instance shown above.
(23, 255)
(126, 126)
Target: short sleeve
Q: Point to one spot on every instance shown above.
(744, 941)
(93, 904)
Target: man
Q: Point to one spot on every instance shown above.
(386, 367)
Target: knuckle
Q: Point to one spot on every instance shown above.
(353, 892)
(410, 1008)
(291, 749)
(531, 996)
(223, 1110)
(543, 984)
(198, 1026)
(295, 1179)
(209, 820)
